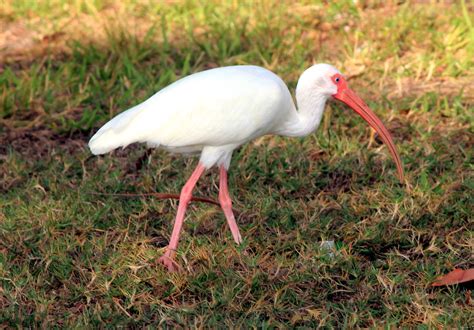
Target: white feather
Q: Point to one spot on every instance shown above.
(213, 111)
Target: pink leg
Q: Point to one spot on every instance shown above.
(186, 193)
(226, 204)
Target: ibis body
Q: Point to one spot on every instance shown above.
(211, 112)
(215, 111)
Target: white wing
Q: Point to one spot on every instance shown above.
(218, 107)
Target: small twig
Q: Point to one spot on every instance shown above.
(163, 196)
(158, 195)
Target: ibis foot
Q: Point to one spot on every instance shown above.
(167, 260)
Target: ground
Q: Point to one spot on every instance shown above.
(71, 255)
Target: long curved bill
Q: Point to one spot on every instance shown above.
(350, 98)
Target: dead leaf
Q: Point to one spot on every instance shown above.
(455, 277)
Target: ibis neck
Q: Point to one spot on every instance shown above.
(308, 116)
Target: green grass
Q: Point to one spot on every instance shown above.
(71, 258)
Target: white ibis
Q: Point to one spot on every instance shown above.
(215, 111)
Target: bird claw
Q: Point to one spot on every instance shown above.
(167, 261)
(237, 239)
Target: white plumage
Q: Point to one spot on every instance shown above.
(215, 111)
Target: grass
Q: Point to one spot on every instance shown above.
(72, 258)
